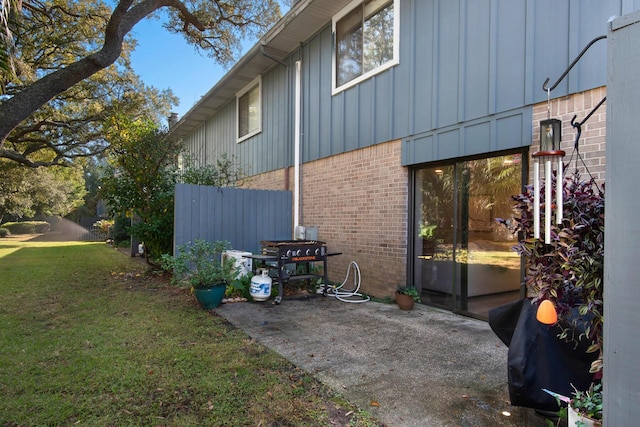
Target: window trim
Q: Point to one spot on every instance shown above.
(257, 81)
(365, 76)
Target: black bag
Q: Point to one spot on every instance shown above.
(537, 358)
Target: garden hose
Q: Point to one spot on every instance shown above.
(350, 295)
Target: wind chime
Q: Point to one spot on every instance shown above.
(551, 156)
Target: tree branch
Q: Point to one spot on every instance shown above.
(21, 105)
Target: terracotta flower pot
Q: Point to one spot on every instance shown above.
(405, 302)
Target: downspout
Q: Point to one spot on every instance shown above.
(296, 137)
(296, 141)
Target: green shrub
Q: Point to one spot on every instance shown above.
(411, 291)
(120, 230)
(104, 225)
(240, 287)
(4, 232)
(42, 226)
(27, 227)
(124, 244)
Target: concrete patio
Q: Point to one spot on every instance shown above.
(424, 367)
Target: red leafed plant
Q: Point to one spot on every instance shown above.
(569, 270)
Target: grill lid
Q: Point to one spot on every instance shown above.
(285, 243)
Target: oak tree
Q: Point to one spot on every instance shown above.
(71, 61)
(39, 192)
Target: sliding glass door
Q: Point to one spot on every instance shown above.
(463, 259)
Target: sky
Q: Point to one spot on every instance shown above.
(166, 61)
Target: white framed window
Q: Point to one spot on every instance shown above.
(249, 110)
(365, 41)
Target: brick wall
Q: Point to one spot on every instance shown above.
(358, 200)
(592, 140)
(274, 180)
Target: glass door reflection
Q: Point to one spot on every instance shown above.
(464, 259)
(434, 204)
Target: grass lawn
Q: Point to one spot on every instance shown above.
(90, 337)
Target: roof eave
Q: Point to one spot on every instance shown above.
(304, 19)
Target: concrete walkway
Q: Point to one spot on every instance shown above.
(424, 367)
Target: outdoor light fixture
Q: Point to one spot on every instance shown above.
(550, 153)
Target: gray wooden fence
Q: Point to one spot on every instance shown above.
(241, 216)
(622, 241)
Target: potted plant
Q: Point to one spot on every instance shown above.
(569, 270)
(200, 266)
(565, 275)
(406, 297)
(585, 407)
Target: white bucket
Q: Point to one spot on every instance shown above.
(575, 419)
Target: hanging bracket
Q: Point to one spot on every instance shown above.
(544, 85)
(578, 125)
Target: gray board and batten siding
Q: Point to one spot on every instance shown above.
(272, 149)
(240, 216)
(468, 76)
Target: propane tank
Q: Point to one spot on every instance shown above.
(261, 286)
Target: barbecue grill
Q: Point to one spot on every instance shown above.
(294, 252)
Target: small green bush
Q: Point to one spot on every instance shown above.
(42, 227)
(411, 291)
(123, 244)
(104, 225)
(4, 232)
(120, 230)
(240, 288)
(27, 227)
